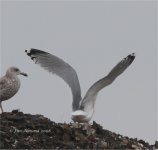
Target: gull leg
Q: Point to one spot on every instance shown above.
(1, 107)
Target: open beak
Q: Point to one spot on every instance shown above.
(24, 74)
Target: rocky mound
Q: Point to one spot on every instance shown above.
(26, 131)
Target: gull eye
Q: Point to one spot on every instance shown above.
(16, 69)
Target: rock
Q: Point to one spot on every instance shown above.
(156, 144)
(15, 111)
(26, 131)
(102, 144)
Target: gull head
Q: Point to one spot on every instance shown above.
(14, 71)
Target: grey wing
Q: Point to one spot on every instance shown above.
(57, 66)
(115, 72)
(121, 66)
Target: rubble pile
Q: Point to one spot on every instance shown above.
(26, 131)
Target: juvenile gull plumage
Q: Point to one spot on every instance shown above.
(83, 109)
(10, 84)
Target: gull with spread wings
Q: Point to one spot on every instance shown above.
(82, 109)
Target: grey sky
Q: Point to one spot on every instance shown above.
(92, 37)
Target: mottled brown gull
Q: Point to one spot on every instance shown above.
(83, 109)
(10, 84)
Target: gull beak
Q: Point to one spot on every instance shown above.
(24, 74)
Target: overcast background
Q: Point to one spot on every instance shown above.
(92, 37)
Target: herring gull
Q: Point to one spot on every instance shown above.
(10, 84)
(82, 109)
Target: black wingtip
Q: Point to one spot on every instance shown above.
(27, 52)
(34, 51)
(132, 56)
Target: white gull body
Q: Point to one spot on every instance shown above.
(82, 109)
